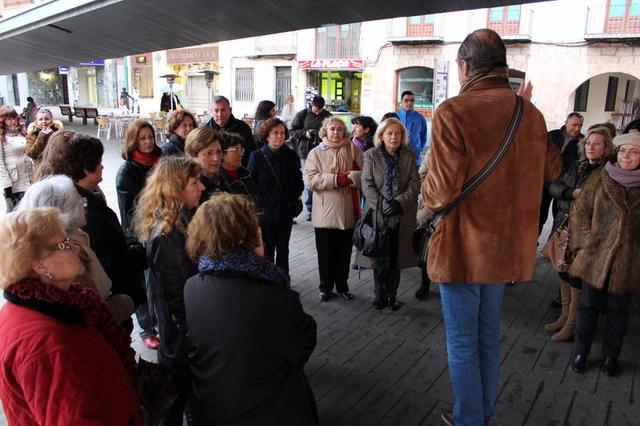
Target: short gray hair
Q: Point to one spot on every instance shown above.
(56, 191)
(219, 98)
(483, 50)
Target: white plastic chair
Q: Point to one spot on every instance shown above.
(104, 126)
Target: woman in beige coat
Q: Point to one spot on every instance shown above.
(332, 173)
(390, 186)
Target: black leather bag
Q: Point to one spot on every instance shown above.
(368, 237)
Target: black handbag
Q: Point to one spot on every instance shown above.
(368, 237)
(296, 206)
(422, 234)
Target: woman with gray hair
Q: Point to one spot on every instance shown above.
(59, 192)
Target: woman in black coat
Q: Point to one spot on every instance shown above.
(179, 125)
(275, 169)
(248, 334)
(164, 209)
(596, 147)
(140, 154)
(238, 179)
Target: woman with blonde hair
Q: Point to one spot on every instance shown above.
(140, 153)
(332, 173)
(237, 378)
(63, 359)
(164, 209)
(595, 149)
(390, 185)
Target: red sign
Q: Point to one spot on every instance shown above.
(332, 64)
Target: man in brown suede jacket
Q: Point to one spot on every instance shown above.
(490, 237)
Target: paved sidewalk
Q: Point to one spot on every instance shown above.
(390, 368)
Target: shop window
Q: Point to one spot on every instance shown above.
(338, 41)
(505, 20)
(419, 80)
(143, 75)
(612, 92)
(623, 16)
(581, 98)
(420, 26)
(244, 84)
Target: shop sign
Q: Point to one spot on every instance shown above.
(63, 70)
(332, 64)
(192, 55)
(97, 63)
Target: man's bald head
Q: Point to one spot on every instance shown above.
(483, 50)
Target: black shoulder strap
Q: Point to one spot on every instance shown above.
(275, 177)
(475, 181)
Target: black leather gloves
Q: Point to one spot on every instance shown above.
(391, 208)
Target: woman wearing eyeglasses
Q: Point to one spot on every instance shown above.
(605, 230)
(63, 359)
(238, 178)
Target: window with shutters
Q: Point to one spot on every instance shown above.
(244, 84)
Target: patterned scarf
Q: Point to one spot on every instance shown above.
(391, 173)
(499, 73)
(240, 260)
(78, 302)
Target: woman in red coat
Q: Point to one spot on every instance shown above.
(63, 359)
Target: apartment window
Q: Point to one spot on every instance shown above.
(142, 66)
(338, 41)
(505, 20)
(623, 16)
(244, 84)
(612, 92)
(581, 98)
(420, 26)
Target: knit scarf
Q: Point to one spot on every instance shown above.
(360, 144)
(246, 262)
(80, 303)
(148, 159)
(626, 178)
(341, 159)
(474, 78)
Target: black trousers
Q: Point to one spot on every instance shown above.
(544, 208)
(145, 314)
(334, 257)
(276, 238)
(616, 310)
(386, 275)
(181, 407)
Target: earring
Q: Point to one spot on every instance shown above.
(49, 275)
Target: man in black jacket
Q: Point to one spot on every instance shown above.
(223, 119)
(304, 134)
(566, 139)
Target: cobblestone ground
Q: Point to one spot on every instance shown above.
(372, 368)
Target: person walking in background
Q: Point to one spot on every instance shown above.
(414, 122)
(605, 230)
(170, 102)
(204, 146)
(140, 153)
(63, 359)
(164, 210)
(179, 125)
(566, 139)
(123, 101)
(265, 110)
(288, 111)
(253, 375)
(29, 112)
(39, 131)
(305, 135)
(596, 149)
(16, 168)
(364, 129)
(390, 185)
(489, 238)
(223, 119)
(332, 173)
(275, 168)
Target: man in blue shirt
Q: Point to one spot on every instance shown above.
(414, 122)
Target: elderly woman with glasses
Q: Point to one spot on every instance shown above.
(605, 230)
(63, 359)
(238, 178)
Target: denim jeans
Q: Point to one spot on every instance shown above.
(308, 197)
(472, 321)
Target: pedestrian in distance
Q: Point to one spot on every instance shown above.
(490, 237)
(266, 109)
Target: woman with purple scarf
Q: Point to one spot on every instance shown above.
(364, 128)
(248, 334)
(605, 230)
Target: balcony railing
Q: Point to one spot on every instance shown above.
(514, 27)
(613, 21)
(418, 30)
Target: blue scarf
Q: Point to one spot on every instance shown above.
(247, 262)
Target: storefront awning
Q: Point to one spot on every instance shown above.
(67, 32)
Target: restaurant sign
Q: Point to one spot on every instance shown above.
(192, 55)
(332, 64)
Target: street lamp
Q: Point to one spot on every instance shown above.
(208, 79)
(171, 79)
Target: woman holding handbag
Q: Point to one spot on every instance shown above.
(390, 185)
(275, 170)
(596, 148)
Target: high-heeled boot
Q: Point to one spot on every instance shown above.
(567, 331)
(565, 298)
